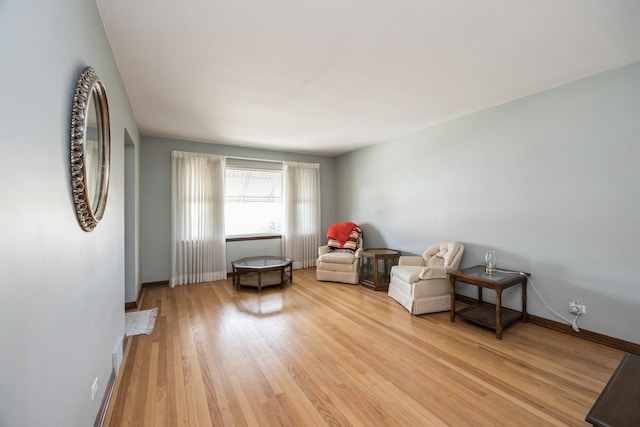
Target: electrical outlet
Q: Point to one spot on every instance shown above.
(94, 388)
(577, 308)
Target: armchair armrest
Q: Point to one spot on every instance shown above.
(357, 253)
(411, 260)
(323, 250)
(434, 272)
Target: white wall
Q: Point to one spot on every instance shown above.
(61, 289)
(155, 200)
(550, 181)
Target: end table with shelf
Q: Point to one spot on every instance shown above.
(497, 317)
(376, 266)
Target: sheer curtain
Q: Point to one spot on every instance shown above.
(197, 218)
(301, 225)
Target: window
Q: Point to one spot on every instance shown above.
(253, 201)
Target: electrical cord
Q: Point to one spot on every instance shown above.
(573, 323)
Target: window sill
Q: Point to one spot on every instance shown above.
(248, 237)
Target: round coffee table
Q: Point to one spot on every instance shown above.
(262, 271)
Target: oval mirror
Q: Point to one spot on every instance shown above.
(90, 149)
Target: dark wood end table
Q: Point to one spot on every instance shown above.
(497, 317)
(618, 405)
(256, 271)
(376, 266)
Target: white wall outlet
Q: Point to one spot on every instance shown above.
(577, 308)
(94, 388)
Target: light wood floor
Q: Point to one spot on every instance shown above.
(319, 353)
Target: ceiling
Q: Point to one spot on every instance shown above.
(330, 76)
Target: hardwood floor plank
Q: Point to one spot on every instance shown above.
(329, 354)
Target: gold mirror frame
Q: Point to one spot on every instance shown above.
(90, 98)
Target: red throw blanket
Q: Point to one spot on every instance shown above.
(341, 232)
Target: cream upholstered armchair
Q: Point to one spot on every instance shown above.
(339, 259)
(421, 283)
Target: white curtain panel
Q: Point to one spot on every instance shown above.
(301, 202)
(197, 218)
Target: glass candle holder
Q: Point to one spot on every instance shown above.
(490, 262)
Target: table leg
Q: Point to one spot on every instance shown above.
(499, 314)
(479, 294)
(259, 282)
(452, 282)
(375, 272)
(524, 301)
(282, 277)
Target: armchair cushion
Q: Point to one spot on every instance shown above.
(411, 260)
(408, 273)
(441, 254)
(414, 273)
(435, 272)
(337, 257)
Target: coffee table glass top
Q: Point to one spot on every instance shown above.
(479, 272)
(261, 262)
(381, 251)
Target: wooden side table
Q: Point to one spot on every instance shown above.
(484, 314)
(376, 267)
(618, 402)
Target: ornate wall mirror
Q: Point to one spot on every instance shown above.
(90, 149)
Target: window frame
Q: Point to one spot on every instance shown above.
(255, 235)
